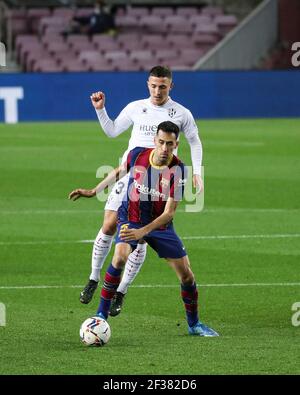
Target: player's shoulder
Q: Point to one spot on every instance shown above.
(179, 170)
(177, 162)
(188, 122)
(137, 104)
(137, 150)
(179, 107)
(139, 155)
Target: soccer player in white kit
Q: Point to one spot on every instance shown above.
(144, 116)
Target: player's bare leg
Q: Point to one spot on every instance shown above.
(189, 296)
(101, 249)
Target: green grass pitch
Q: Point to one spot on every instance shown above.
(248, 279)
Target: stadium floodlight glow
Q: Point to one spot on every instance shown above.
(2, 55)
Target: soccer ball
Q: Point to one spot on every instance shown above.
(95, 331)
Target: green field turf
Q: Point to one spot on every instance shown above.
(248, 278)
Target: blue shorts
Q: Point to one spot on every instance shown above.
(165, 242)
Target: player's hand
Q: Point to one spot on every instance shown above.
(131, 234)
(198, 183)
(77, 193)
(98, 100)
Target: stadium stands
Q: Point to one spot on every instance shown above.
(281, 54)
(176, 36)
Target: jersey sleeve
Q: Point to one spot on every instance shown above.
(119, 125)
(178, 181)
(131, 157)
(128, 161)
(191, 133)
(189, 126)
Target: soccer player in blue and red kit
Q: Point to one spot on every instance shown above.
(156, 184)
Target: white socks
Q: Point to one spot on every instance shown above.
(132, 267)
(102, 246)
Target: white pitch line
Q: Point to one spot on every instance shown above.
(274, 236)
(180, 210)
(250, 210)
(212, 237)
(44, 242)
(156, 286)
(49, 212)
(236, 143)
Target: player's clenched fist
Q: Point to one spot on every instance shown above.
(98, 100)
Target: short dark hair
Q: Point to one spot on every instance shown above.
(160, 71)
(168, 127)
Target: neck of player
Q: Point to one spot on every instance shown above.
(159, 103)
(159, 161)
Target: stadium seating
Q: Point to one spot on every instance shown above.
(115, 55)
(126, 64)
(164, 55)
(176, 36)
(105, 43)
(212, 11)
(34, 15)
(154, 41)
(162, 11)
(180, 41)
(127, 22)
(225, 23)
(145, 55)
(186, 11)
(100, 64)
(138, 11)
(47, 65)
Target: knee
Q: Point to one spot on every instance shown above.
(188, 278)
(109, 226)
(119, 261)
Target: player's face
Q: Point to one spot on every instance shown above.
(159, 88)
(165, 143)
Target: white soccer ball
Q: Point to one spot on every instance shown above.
(95, 331)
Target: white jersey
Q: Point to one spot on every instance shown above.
(145, 117)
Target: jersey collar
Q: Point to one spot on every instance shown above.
(167, 103)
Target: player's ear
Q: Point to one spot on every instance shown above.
(171, 86)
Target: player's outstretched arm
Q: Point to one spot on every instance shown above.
(111, 128)
(80, 192)
(166, 217)
(111, 178)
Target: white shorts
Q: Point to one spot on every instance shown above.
(117, 194)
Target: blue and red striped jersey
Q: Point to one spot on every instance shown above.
(150, 186)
